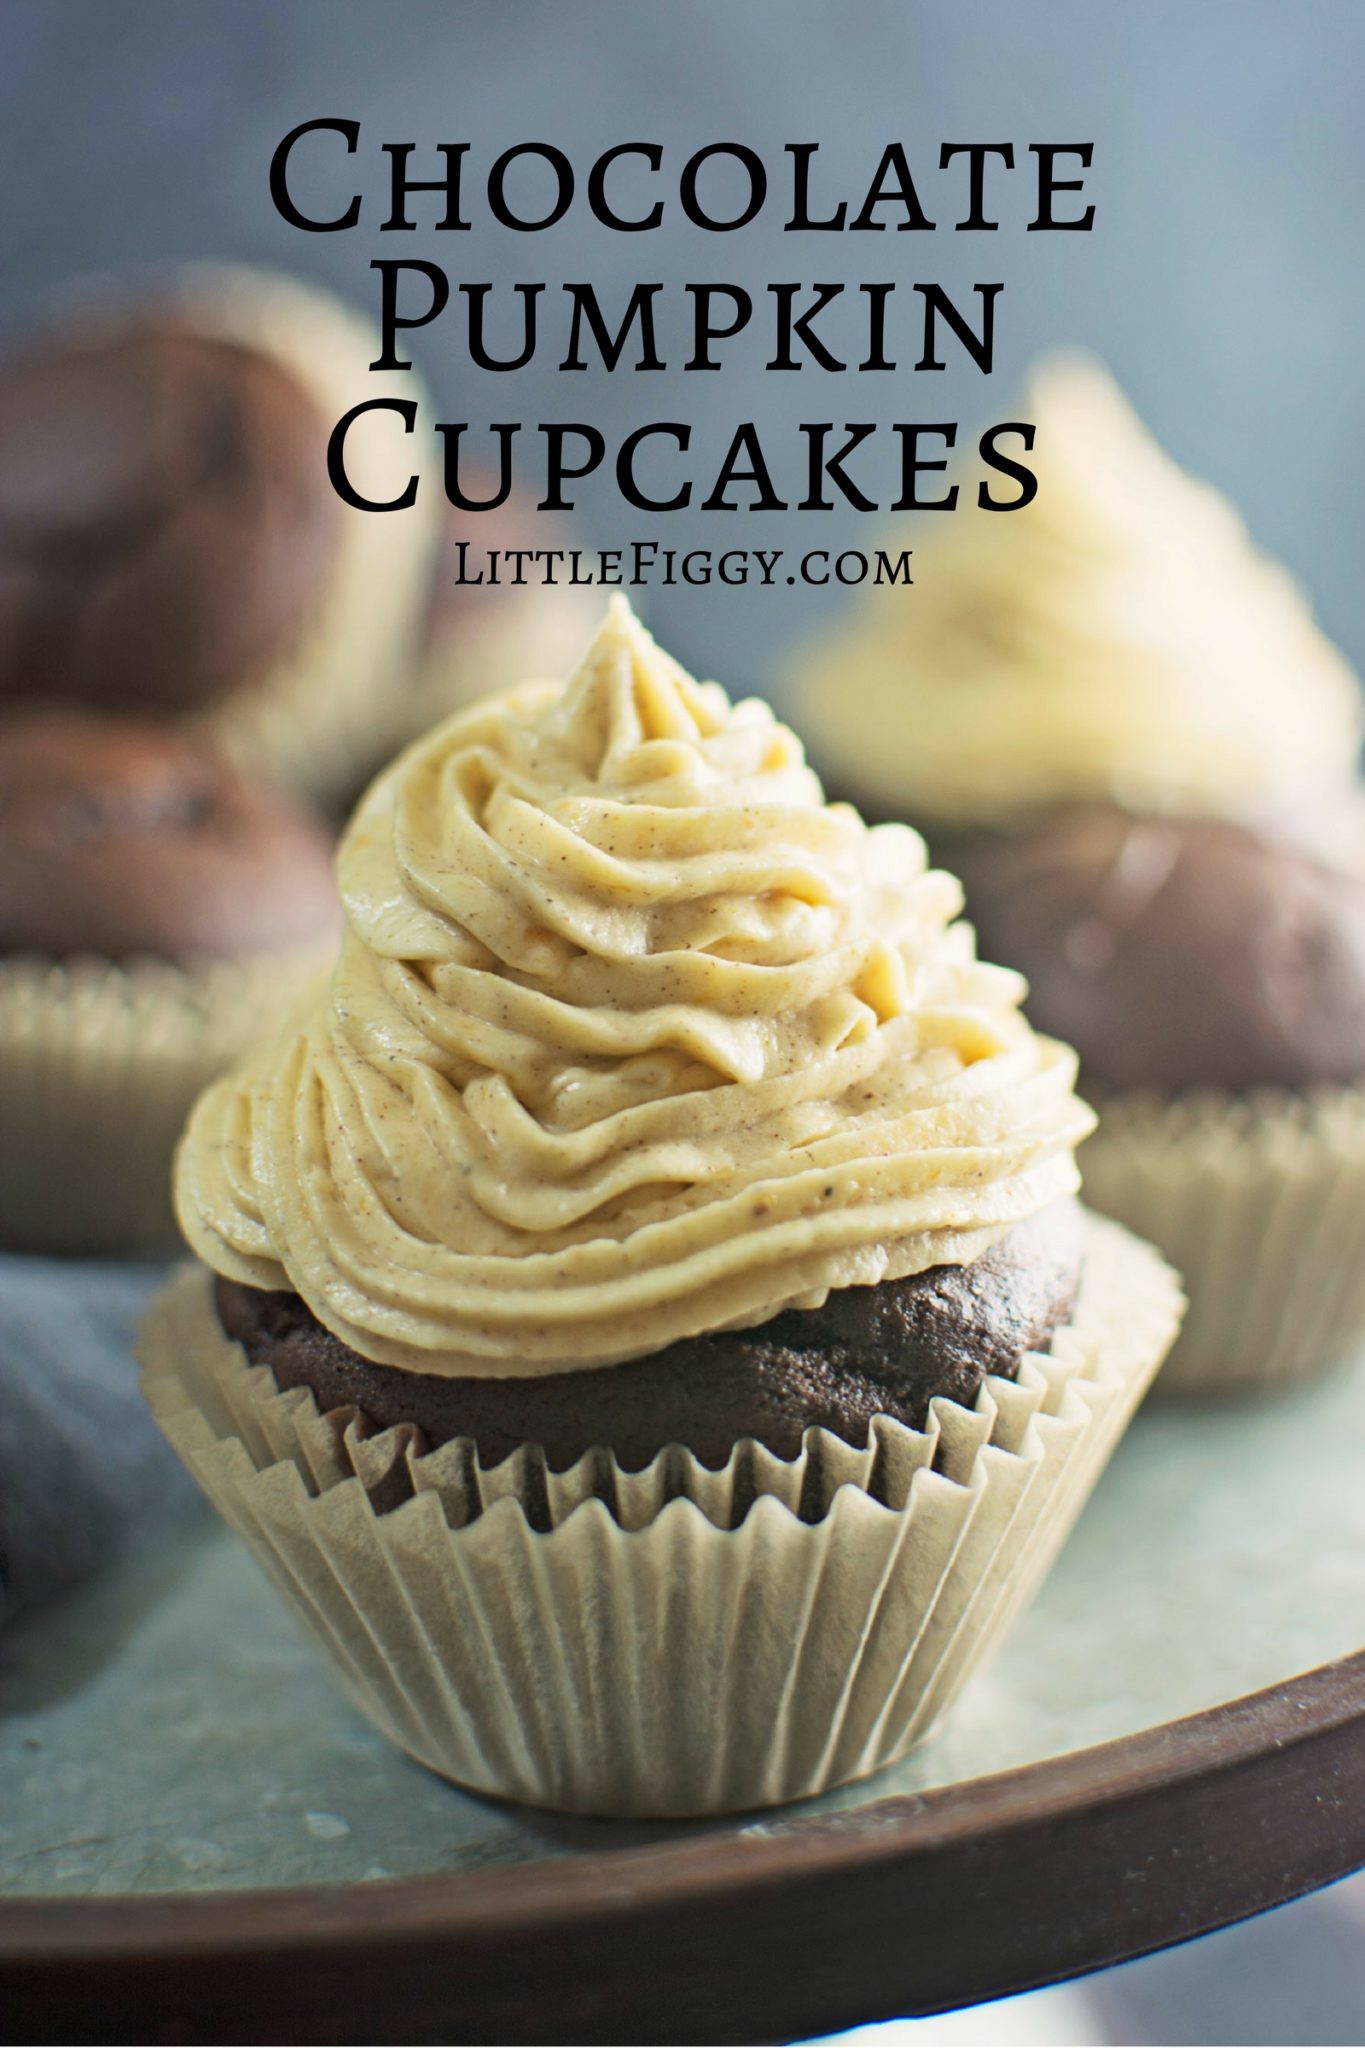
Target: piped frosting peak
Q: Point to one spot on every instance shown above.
(631, 1037)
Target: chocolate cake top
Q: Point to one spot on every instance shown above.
(121, 837)
(1178, 952)
(167, 527)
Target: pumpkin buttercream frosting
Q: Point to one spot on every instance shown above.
(1119, 640)
(631, 1037)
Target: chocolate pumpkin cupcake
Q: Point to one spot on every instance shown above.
(170, 541)
(660, 1195)
(891, 1350)
(1122, 728)
(155, 906)
(1118, 641)
(1212, 977)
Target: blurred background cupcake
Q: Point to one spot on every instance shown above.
(1121, 726)
(204, 655)
(170, 542)
(475, 638)
(158, 908)
(1118, 641)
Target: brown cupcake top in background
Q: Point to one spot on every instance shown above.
(167, 525)
(120, 837)
(1177, 952)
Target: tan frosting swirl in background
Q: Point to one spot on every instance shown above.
(1120, 638)
(631, 1037)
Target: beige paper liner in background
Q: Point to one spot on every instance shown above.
(319, 720)
(1260, 1203)
(99, 1065)
(676, 1641)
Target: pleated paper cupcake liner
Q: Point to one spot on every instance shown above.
(1260, 1203)
(99, 1065)
(675, 1641)
(319, 719)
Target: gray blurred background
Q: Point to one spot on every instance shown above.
(1223, 280)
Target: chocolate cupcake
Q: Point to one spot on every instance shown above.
(1212, 978)
(156, 906)
(170, 541)
(1121, 727)
(1178, 953)
(661, 1195)
(891, 1349)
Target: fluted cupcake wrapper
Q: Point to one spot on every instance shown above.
(320, 719)
(99, 1065)
(1260, 1203)
(674, 1641)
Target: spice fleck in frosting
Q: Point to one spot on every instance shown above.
(631, 1037)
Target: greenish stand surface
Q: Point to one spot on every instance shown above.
(170, 1728)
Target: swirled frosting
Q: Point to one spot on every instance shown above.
(631, 1037)
(1118, 639)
